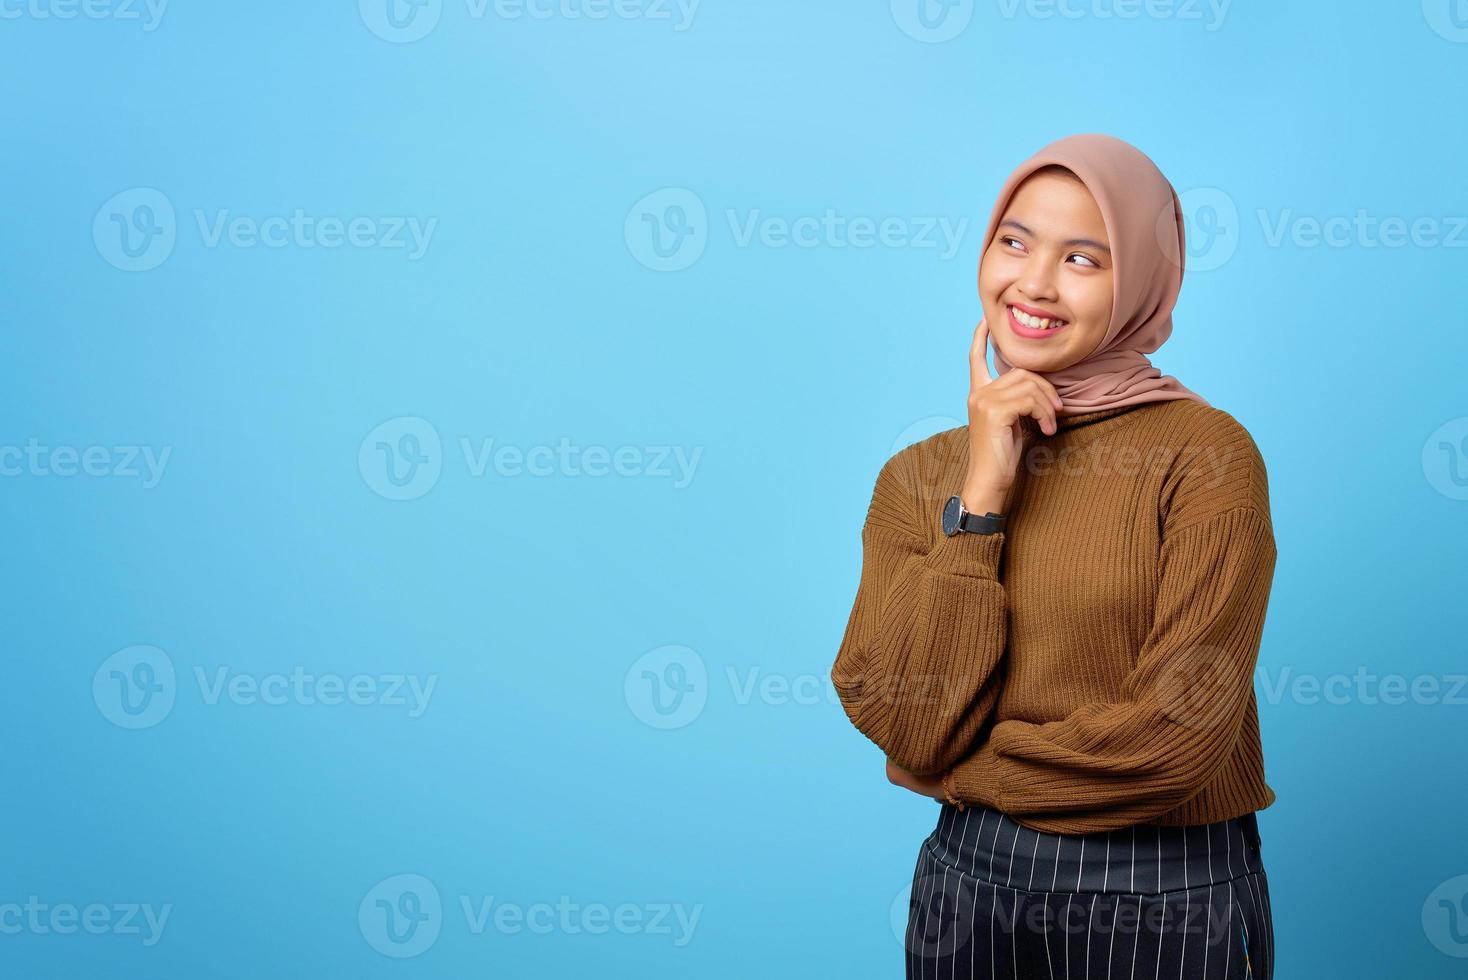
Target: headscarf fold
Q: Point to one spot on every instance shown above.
(1144, 222)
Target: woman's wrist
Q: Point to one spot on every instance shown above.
(948, 790)
(982, 499)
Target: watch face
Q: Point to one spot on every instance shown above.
(951, 513)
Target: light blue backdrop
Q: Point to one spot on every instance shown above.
(436, 440)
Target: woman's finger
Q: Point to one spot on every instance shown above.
(978, 358)
(1046, 387)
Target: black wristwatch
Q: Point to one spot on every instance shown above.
(956, 519)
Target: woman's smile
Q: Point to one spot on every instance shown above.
(1032, 322)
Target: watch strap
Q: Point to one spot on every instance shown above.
(990, 523)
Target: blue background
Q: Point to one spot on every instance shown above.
(544, 765)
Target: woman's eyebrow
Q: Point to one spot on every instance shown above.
(1086, 242)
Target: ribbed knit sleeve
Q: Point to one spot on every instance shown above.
(916, 669)
(1180, 710)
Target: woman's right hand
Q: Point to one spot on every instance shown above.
(995, 438)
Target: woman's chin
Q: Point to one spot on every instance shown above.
(1029, 360)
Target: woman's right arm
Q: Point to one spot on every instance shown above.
(918, 667)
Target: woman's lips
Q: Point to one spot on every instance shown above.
(1021, 330)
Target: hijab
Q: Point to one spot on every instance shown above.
(1144, 222)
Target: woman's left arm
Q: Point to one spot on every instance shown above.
(1180, 709)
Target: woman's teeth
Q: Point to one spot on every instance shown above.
(1035, 322)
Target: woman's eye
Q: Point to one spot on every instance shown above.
(1078, 255)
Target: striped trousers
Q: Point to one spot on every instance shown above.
(993, 899)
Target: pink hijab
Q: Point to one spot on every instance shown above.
(1144, 223)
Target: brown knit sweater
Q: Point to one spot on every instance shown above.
(1091, 667)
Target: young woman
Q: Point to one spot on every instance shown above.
(1071, 673)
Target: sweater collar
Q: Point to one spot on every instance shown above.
(1066, 423)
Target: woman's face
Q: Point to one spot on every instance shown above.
(1050, 258)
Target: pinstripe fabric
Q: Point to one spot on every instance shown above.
(994, 899)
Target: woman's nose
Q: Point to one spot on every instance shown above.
(1038, 280)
